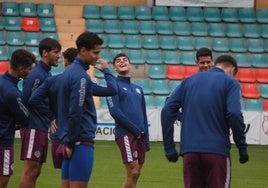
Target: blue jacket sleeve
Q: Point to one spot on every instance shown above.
(105, 90)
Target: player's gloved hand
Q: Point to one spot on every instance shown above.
(173, 157)
(243, 156)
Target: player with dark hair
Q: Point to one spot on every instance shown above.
(204, 59)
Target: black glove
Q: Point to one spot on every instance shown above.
(173, 157)
(243, 158)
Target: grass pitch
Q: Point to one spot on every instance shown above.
(157, 172)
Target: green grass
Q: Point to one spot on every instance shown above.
(157, 172)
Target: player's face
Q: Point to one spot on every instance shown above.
(24, 71)
(52, 57)
(122, 65)
(91, 56)
(204, 63)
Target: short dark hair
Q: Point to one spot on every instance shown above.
(70, 54)
(22, 57)
(227, 60)
(48, 44)
(203, 52)
(88, 40)
(119, 55)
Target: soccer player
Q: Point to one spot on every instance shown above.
(35, 135)
(204, 59)
(128, 109)
(12, 110)
(211, 106)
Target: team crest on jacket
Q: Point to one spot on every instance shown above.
(138, 90)
(37, 154)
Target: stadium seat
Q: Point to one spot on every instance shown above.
(185, 43)
(156, 72)
(175, 72)
(48, 25)
(150, 42)
(105, 54)
(251, 30)
(2, 38)
(13, 23)
(160, 87)
(126, 12)
(147, 27)
(212, 14)
(28, 9)
(52, 35)
(261, 75)
(229, 14)
(188, 58)
(149, 100)
(233, 30)
(265, 105)
(168, 42)
(246, 75)
(32, 38)
(2, 23)
(160, 13)
(250, 90)
(171, 57)
(264, 29)
(132, 41)
(58, 69)
(173, 84)
(98, 74)
(129, 27)
(108, 12)
(216, 29)
(259, 60)
(115, 41)
(253, 105)
(35, 51)
(194, 14)
(91, 11)
(136, 56)
(177, 13)
(242, 59)
(45, 10)
(143, 13)
(262, 15)
(238, 45)
(255, 45)
(153, 56)
(3, 53)
(164, 28)
(263, 90)
(15, 38)
(246, 15)
(4, 66)
(115, 51)
(112, 26)
(145, 84)
(182, 28)
(159, 101)
(199, 29)
(10, 9)
(200, 42)
(94, 25)
(30, 24)
(266, 45)
(190, 70)
(220, 44)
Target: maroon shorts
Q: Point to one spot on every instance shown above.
(6, 161)
(57, 160)
(206, 170)
(34, 145)
(131, 148)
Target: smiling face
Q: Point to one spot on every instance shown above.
(204, 63)
(122, 65)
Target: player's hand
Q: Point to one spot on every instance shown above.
(102, 65)
(53, 126)
(243, 158)
(173, 157)
(141, 135)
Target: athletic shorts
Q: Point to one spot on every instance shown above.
(206, 170)
(34, 145)
(131, 148)
(6, 161)
(79, 166)
(56, 159)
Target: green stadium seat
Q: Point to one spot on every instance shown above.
(233, 30)
(263, 90)
(143, 13)
(242, 59)
(45, 10)
(115, 51)
(229, 14)
(247, 15)
(187, 58)
(145, 85)
(52, 35)
(28, 9)
(261, 75)
(150, 42)
(91, 12)
(115, 41)
(160, 86)
(251, 30)
(2, 23)
(253, 105)
(185, 43)
(103, 102)
(216, 29)
(129, 27)
(238, 45)
(10, 9)
(200, 42)
(159, 101)
(48, 25)
(220, 44)
(259, 60)
(112, 26)
(262, 15)
(147, 27)
(168, 42)
(266, 45)
(136, 56)
(104, 39)
(153, 56)
(15, 38)
(105, 54)
(2, 38)
(199, 29)
(264, 29)
(194, 14)
(174, 72)
(3, 53)
(250, 90)
(160, 13)
(126, 12)
(164, 28)
(94, 25)
(13, 23)
(156, 72)
(171, 57)
(212, 14)
(246, 74)
(98, 74)
(30, 24)
(182, 28)
(255, 45)
(132, 41)
(177, 13)
(108, 12)
(32, 38)
(173, 84)
(58, 69)
(35, 51)
(149, 100)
